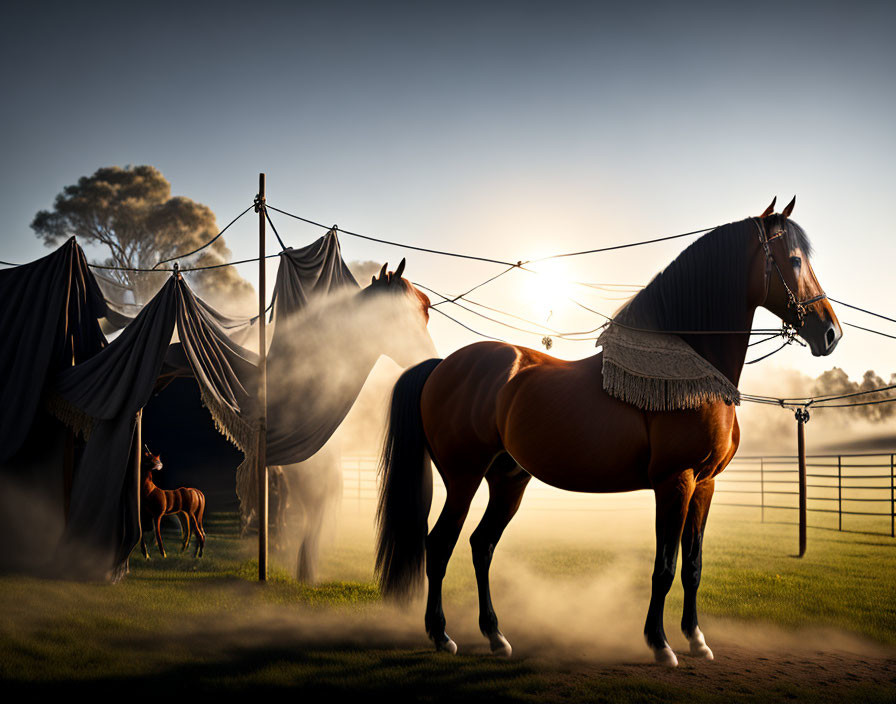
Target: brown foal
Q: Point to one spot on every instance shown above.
(186, 503)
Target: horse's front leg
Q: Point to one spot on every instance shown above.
(692, 565)
(673, 495)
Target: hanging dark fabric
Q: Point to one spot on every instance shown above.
(49, 320)
(100, 398)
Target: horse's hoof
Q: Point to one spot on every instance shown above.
(447, 645)
(665, 656)
(699, 648)
(499, 644)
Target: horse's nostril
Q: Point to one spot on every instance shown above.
(830, 336)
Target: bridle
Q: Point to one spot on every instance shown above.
(794, 304)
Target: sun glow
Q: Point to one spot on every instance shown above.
(548, 290)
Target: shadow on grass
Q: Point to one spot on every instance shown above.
(320, 672)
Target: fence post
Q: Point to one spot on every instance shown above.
(839, 494)
(359, 485)
(892, 500)
(762, 487)
(802, 417)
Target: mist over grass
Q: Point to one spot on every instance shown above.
(570, 591)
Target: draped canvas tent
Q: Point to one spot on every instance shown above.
(49, 319)
(100, 395)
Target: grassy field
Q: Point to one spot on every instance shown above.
(570, 590)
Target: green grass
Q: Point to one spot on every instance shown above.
(207, 623)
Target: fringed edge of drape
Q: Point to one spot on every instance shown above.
(230, 424)
(70, 415)
(651, 394)
(245, 438)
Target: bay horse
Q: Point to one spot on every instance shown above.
(506, 413)
(186, 503)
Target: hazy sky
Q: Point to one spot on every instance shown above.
(509, 130)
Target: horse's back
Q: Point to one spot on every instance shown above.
(551, 415)
(560, 425)
(459, 400)
(555, 419)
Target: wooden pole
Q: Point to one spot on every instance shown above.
(138, 459)
(68, 451)
(261, 449)
(802, 417)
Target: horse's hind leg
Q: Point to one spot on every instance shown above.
(692, 565)
(506, 484)
(440, 544)
(672, 498)
(309, 553)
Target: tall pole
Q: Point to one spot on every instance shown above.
(68, 452)
(138, 459)
(802, 417)
(261, 448)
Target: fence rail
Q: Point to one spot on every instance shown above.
(844, 492)
(844, 485)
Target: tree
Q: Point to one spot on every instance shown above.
(130, 212)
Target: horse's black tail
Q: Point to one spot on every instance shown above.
(405, 489)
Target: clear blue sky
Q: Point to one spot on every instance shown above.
(509, 130)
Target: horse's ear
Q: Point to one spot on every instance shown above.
(400, 270)
(382, 275)
(372, 280)
(789, 209)
(770, 209)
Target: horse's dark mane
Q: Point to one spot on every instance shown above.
(705, 287)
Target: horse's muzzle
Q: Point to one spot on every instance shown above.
(822, 334)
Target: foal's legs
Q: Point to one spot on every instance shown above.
(185, 532)
(692, 565)
(506, 484)
(440, 544)
(197, 523)
(672, 498)
(157, 524)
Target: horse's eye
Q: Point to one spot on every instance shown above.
(796, 262)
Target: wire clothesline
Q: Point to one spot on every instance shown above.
(805, 402)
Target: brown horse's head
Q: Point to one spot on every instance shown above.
(151, 462)
(792, 291)
(402, 314)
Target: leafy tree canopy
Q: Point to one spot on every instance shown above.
(131, 213)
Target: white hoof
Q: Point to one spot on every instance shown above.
(499, 644)
(447, 646)
(665, 656)
(699, 648)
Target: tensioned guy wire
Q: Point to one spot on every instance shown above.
(207, 244)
